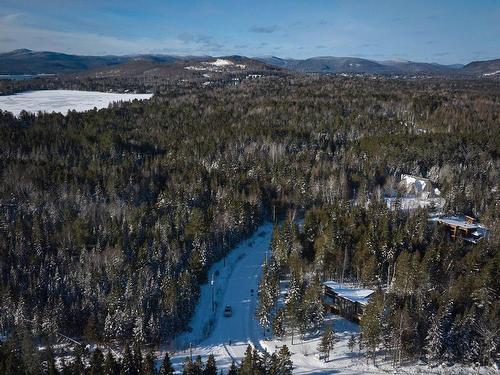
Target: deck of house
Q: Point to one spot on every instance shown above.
(465, 227)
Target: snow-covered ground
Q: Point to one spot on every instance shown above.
(221, 62)
(492, 73)
(63, 100)
(227, 337)
(413, 203)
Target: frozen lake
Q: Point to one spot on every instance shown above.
(62, 100)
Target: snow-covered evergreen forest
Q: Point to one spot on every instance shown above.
(110, 219)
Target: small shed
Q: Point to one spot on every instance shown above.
(346, 300)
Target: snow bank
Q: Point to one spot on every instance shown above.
(63, 100)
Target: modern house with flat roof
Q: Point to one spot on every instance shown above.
(465, 227)
(346, 300)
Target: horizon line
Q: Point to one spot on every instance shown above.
(244, 55)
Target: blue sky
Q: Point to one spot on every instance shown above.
(444, 31)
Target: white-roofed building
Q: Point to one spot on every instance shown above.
(465, 227)
(346, 300)
(414, 192)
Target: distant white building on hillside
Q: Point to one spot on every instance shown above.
(415, 192)
(418, 186)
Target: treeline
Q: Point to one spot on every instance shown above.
(20, 355)
(136, 77)
(110, 219)
(88, 83)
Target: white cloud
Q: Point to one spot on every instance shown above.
(9, 18)
(16, 35)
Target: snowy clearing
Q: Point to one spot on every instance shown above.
(63, 100)
(414, 203)
(215, 66)
(221, 62)
(492, 73)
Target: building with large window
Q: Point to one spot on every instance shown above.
(346, 300)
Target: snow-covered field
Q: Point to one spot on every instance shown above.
(227, 337)
(215, 66)
(63, 100)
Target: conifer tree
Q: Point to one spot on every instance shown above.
(137, 356)
(256, 361)
(293, 304)
(111, 366)
(246, 367)
(279, 323)
(188, 366)
(64, 367)
(285, 364)
(371, 325)
(352, 343)
(312, 307)
(192, 367)
(128, 366)
(51, 368)
(148, 364)
(436, 339)
(274, 368)
(233, 370)
(166, 366)
(138, 331)
(198, 365)
(268, 295)
(266, 364)
(78, 367)
(97, 362)
(327, 342)
(210, 366)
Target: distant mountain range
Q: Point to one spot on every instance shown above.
(354, 65)
(24, 61)
(488, 68)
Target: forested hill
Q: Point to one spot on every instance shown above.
(109, 219)
(144, 74)
(25, 61)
